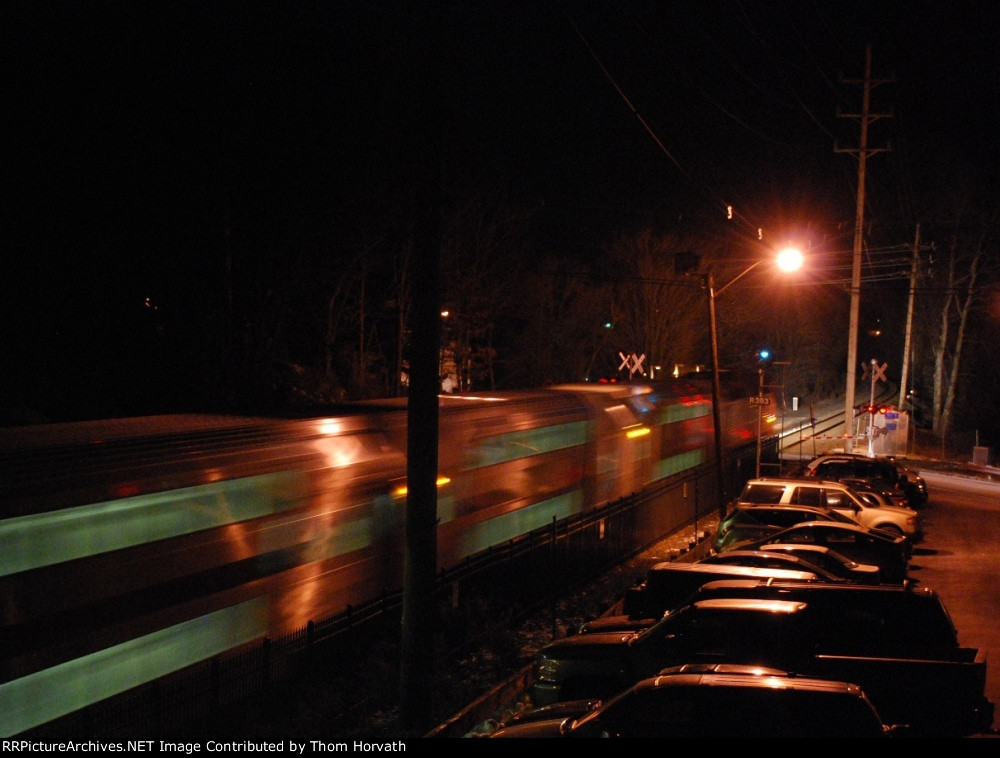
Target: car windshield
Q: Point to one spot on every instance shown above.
(762, 493)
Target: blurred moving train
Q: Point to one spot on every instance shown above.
(136, 547)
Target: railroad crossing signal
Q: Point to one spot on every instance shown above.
(873, 409)
(877, 372)
(633, 363)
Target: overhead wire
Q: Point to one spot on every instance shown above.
(875, 270)
(622, 94)
(734, 212)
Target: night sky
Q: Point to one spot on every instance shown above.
(140, 134)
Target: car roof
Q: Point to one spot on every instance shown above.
(841, 454)
(780, 507)
(750, 604)
(852, 457)
(750, 553)
(811, 547)
(703, 667)
(830, 525)
(726, 556)
(842, 525)
(769, 681)
(750, 572)
(782, 546)
(797, 480)
(722, 585)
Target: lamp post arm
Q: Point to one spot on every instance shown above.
(738, 277)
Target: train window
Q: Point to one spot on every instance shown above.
(501, 448)
(681, 412)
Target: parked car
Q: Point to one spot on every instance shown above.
(771, 559)
(891, 554)
(829, 559)
(576, 708)
(943, 696)
(825, 493)
(559, 712)
(746, 522)
(670, 584)
(693, 701)
(873, 494)
(885, 472)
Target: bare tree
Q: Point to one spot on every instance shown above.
(561, 330)
(482, 262)
(962, 298)
(660, 314)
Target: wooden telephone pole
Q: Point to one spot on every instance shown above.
(862, 151)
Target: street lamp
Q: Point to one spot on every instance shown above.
(788, 259)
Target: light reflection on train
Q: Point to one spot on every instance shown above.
(134, 548)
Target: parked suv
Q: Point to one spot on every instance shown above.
(699, 701)
(941, 694)
(886, 473)
(823, 493)
(899, 620)
(767, 632)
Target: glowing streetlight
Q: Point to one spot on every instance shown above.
(789, 259)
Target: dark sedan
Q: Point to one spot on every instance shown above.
(830, 560)
(844, 569)
(890, 554)
(770, 559)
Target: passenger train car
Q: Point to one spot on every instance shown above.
(136, 547)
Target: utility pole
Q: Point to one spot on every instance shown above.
(428, 137)
(909, 322)
(863, 151)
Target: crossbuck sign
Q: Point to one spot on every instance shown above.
(633, 363)
(877, 373)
